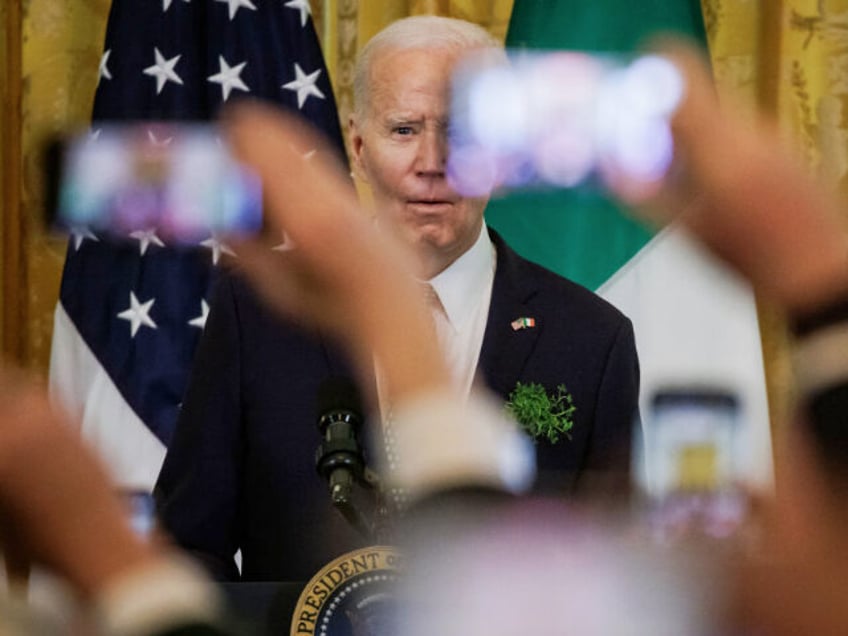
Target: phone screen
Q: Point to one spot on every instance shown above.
(561, 119)
(691, 477)
(179, 179)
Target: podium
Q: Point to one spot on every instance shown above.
(354, 593)
(267, 607)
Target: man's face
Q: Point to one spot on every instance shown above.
(400, 148)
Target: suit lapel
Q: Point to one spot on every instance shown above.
(506, 349)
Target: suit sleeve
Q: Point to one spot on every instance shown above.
(197, 492)
(607, 464)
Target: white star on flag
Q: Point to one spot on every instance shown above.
(304, 85)
(200, 321)
(80, 234)
(217, 248)
(285, 246)
(151, 136)
(166, 4)
(306, 156)
(132, 419)
(228, 77)
(163, 70)
(137, 314)
(103, 70)
(145, 238)
(235, 5)
(303, 7)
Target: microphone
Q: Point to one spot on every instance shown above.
(339, 456)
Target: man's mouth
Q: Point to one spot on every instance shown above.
(430, 202)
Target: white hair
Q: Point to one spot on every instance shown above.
(416, 32)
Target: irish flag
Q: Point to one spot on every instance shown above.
(695, 321)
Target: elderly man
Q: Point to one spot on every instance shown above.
(240, 472)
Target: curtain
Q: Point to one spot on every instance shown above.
(789, 60)
(62, 41)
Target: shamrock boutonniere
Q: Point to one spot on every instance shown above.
(541, 414)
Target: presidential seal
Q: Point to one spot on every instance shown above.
(354, 595)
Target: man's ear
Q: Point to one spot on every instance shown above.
(355, 143)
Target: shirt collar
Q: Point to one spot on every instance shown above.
(466, 278)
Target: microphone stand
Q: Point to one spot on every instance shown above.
(339, 459)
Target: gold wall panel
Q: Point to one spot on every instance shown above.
(62, 43)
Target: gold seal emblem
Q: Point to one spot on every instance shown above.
(353, 594)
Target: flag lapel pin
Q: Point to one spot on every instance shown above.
(525, 322)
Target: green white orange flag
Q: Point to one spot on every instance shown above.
(695, 321)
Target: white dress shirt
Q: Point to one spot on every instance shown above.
(465, 291)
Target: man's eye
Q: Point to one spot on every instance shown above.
(403, 130)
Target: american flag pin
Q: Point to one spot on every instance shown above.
(525, 322)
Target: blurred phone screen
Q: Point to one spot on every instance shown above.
(177, 179)
(560, 119)
(691, 474)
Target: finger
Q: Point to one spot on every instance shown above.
(269, 274)
(297, 167)
(698, 110)
(658, 199)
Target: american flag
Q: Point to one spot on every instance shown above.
(130, 313)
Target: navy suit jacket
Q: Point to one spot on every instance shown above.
(240, 470)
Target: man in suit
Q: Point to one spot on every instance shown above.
(240, 471)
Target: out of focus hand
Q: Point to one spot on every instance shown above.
(57, 506)
(740, 190)
(796, 581)
(342, 275)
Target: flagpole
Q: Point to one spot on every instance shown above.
(773, 330)
(329, 36)
(12, 300)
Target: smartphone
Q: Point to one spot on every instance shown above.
(561, 119)
(179, 179)
(690, 473)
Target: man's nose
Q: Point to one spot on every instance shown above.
(432, 153)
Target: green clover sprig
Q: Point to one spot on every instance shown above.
(540, 414)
